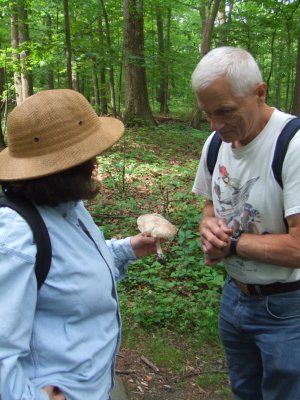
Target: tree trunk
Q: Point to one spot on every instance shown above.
(26, 74)
(137, 107)
(272, 62)
(278, 75)
(75, 81)
(49, 35)
(167, 52)
(103, 99)
(224, 21)
(289, 67)
(68, 44)
(96, 86)
(296, 102)
(111, 66)
(160, 40)
(208, 26)
(163, 50)
(2, 107)
(14, 45)
(120, 85)
(208, 17)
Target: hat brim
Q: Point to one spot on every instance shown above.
(18, 168)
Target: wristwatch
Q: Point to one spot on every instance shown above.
(233, 243)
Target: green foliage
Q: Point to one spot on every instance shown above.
(271, 36)
(152, 170)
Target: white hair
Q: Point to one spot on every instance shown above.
(233, 63)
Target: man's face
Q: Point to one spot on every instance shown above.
(237, 119)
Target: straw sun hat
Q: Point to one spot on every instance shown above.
(54, 130)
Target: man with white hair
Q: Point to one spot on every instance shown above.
(252, 224)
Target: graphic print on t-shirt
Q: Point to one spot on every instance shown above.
(232, 198)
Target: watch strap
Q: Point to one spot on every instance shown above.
(233, 243)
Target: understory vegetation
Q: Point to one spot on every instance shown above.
(169, 312)
(152, 170)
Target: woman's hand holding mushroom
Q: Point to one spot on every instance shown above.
(143, 245)
(158, 227)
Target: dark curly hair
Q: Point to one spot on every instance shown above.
(73, 184)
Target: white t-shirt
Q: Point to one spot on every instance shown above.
(245, 193)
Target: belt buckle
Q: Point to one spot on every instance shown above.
(243, 287)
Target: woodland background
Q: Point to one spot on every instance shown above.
(133, 60)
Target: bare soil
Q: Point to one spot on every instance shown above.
(145, 381)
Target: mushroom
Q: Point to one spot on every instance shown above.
(157, 226)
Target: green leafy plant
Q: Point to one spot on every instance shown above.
(178, 300)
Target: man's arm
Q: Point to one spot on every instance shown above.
(280, 249)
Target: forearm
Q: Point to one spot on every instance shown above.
(208, 211)
(277, 249)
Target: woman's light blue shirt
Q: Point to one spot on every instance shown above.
(67, 333)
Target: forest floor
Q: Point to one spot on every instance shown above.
(170, 348)
(143, 380)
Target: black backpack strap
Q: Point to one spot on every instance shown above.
(213, 151)
(40, 233)
(282, 145)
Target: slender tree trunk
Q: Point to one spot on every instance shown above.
(49, 35)
(68, 45)
(160, 40)
(26, 74)
(111, 66)
(288, 66)
(2, 107)
(120, 85)
(75, 81)
(272, 61)
(15, 45)
(167, 52)
(57, 31)
(296, 102)
(103, 99)
(224, 20)
(137, 107)
(163, 49)
(209, 26)
(96, 85)
(208, 17)
(278, 75)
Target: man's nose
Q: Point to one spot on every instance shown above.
(216, 124)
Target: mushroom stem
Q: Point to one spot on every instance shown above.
(160, 255)
(158, 248)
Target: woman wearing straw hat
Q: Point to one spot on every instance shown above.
(60, 342)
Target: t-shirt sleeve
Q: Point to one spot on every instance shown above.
(203, 180)
(291, 177)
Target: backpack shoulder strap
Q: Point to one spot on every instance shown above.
(40, 233)
(213, 151)
(282, 145)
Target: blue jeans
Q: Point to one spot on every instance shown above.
(261, 338)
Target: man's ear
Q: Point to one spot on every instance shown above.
(261, 91)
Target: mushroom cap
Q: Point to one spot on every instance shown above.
(156, 225)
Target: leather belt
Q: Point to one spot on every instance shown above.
(267, 290)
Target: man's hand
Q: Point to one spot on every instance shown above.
(54, 393)
(143, 245)
(215, 239)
